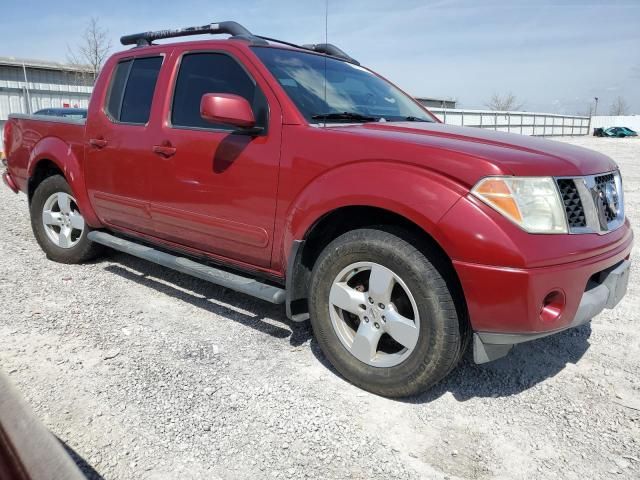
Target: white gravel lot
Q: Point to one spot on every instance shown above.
(150, 374)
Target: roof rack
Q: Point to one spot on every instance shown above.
(326, 48)
(330, 49)
(236, 31)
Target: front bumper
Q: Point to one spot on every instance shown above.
(605, 292)
(506, 305)
(508, 275)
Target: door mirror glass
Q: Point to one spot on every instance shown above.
(227, 109)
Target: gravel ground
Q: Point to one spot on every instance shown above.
(150, 374)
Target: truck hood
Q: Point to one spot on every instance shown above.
(490, 152)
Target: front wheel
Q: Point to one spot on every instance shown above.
(383, 314)
(58, 225)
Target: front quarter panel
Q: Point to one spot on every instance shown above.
(419, 195)
(319, 182)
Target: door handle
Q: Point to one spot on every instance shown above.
(98, 142)
(165, 151)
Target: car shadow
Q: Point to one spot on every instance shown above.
(212, 298)
(87, 470)
(527, 365)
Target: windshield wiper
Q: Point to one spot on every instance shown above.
(345, 116)
(415, 119)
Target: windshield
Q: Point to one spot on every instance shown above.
(353, 94)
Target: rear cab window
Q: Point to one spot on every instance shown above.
(132, 88)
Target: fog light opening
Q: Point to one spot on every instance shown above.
(552, 306)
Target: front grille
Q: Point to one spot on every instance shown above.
(601, 184)
(594, 203)
(572, 203)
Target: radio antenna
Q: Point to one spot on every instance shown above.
(326, 42)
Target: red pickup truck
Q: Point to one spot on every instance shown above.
(293, 174)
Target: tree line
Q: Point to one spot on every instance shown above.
(509, 102)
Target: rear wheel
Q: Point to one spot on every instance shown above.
(383, 314)
(58, 225)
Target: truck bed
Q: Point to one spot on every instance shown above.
(25, 135)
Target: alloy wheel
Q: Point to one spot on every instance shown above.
(374, 314)
(62, 220)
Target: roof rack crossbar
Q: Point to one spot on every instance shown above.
(283, 42)
(326, 48)
(330, 49)
(232, 28)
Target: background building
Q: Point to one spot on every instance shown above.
(437, 102)
(30, 85)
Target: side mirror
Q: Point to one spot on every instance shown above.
(227, 109)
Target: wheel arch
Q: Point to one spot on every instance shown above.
(304, 252)
(42, 170)
(361, 194)
(53, 156)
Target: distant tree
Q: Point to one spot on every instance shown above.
(507, 102)
(92, 49)
(619, 107)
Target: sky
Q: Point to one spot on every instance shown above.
(553, 55)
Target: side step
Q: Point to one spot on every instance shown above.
(232, 281)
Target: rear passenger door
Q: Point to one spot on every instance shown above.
(216, 189)
(118, 155)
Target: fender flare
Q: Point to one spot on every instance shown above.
(65, 157)
(415, 193)
(419, 195)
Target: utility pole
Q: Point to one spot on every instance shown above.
(26, 88)
(592, 114)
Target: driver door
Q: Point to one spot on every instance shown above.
(212, 188)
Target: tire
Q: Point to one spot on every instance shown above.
(56, 221)
(385, 370)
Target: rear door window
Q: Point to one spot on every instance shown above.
(132, 88)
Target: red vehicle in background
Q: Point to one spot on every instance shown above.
(296, 175)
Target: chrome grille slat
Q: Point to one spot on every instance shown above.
(601, 184)
(593, 203)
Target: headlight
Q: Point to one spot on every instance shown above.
(533, 203)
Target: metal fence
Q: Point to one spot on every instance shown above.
(524, 123)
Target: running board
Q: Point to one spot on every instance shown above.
(229, 280)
